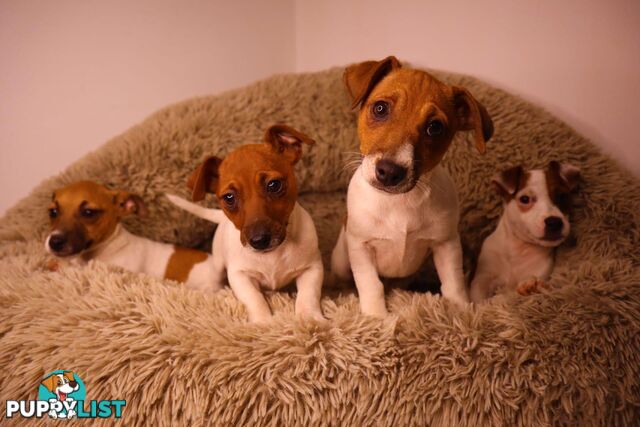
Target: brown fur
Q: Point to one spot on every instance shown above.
(415, 98)
(508, 182)
(181, 263)
(245, 172)
(560, 186)
(109, 206)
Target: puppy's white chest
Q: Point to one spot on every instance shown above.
(273, 271)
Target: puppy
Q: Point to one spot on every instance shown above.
(519, 254)
(85, 226)
(61, 385)
(264, 239)
(401, 203)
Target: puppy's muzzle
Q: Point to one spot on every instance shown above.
(67, 243)
(263, 237)
(553, 226)
(390, 174)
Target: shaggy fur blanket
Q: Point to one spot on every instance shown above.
(567, 356)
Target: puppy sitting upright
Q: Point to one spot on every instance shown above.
(85, 226)
(518, 255)
(401, 203)
(265, 238)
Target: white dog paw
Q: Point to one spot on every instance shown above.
(308, 314)
(71, 413)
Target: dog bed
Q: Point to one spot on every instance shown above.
(178, 357)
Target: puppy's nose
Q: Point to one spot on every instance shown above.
(390, 174)
(260, 241)
(73, 384)
(553, 224)
(57, 242)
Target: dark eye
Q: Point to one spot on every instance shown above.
(274, 186)
(89, 213)
(53, 213)
(380, 109)
(524, 200)
(435, 128)
(229, 199)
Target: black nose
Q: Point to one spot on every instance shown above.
(57, 242)
(73, 384)
(390, 174)
(260, 241)
(553, 224)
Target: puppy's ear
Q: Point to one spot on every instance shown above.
(287, 141)
(50, 383)
(567, 173)
(473, 116)
(507, 182)
(69, 375)
(204, 179)
(130, 204)
(360, 79)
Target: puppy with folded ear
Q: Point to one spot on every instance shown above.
(519, 254)
(265, 239)
(402, 205)
(85, 226)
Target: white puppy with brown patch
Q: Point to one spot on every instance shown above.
(401, 203)
(519, 254)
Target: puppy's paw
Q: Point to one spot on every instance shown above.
(311, 314)
(52, 264)
(531, 286)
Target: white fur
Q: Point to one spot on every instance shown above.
(247, 270)
(515, 251)
(391, 235)
(140, 255)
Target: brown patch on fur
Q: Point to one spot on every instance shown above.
(109, 206)
(559, 186)
(508, 182)
(415, 99)
(245, 173)
(181, 263)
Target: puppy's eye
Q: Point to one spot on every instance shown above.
(274, 186)
(380, 109)
(229, 199)
(524, 200)
(53, 213)
(89, 213)
(435, 128)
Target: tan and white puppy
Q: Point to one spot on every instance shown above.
(265, 239)
(401, 203)
(85, 226)
(519, 254)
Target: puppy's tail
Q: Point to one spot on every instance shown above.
(213, 215)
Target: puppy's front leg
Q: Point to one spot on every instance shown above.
(365, 274)
(447, 257)
(309, 285)
(248, 292)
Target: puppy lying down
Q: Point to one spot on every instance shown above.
(519, 254)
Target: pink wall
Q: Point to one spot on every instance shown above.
(580, 59)
(75, 73)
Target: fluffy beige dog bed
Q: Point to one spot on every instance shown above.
(570, 356)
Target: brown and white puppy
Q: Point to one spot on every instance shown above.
(61, 385)
(264, 239)
(519, 254)
(85, 226)
(401, 203)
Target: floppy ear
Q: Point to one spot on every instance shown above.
(472, 116)
(50, 382)
(568, 173)
(287, 140)
(130, 204)
(69, 375)
(360, 79)
(507, 182)
(204, 179)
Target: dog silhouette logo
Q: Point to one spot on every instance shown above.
(65, 387)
